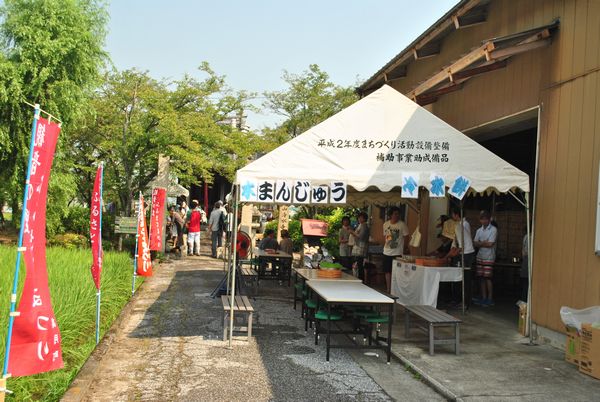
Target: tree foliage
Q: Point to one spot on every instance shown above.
(309, 99)
(137, 117)
(51, 52)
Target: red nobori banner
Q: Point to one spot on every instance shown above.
(159, 196)
(144, 264)
(35, 346)
(95, 228)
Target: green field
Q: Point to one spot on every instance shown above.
(73, 299)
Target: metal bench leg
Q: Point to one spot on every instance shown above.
(431, 339)
(328, 329)
(250, 326)
(225, 324)
(295, 291)
(456, 339)
(389, 334)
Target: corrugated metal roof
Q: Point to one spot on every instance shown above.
(409, 49)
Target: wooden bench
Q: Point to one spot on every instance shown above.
(434, 319)
(249, 272)
(241, 305)
(249, 276)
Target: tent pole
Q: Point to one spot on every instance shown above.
(462, 254)
(233, 267)
(529, 270)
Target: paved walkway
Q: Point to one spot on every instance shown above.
(496, 363)
(167, 346)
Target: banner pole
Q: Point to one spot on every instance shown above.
(529, 321)
(100, 252)
(98, 317)
(135, 253)
(462, 256)
(233, 267)
(13, 296)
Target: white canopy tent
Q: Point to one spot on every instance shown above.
(378, 145)
(349, 146)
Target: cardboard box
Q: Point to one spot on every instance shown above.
(573, 346)
(589, 362)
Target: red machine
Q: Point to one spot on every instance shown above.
(243, 244)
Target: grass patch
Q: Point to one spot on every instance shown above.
(74, 301)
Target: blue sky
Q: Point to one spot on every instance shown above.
(252, 42)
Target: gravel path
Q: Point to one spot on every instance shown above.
(168, 347)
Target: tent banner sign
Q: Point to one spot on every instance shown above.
(394, 151)
(296, 192)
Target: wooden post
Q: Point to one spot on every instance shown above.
(283, 220)
(2, 389)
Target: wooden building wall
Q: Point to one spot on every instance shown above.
(564, 78)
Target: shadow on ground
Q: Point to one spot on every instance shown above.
(184, 309)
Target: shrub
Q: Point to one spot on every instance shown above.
(77, 220)
(69, 241)
(334, 222)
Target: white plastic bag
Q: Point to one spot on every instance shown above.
(415, 239)
(574, 318)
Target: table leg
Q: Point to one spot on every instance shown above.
(328, 328)
(249, 326)
(389, 339)
(431, 339)
(456, 339)
(295, 290)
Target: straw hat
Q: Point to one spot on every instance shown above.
(448, 229)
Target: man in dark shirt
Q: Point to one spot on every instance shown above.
(268, 241)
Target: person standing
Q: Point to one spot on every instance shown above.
(485, 240)
(462, 231)
(184, 210)
(361, 243)
(216, 223)
(344, 238)
(177, 224)
(396, 234)
(193, 223)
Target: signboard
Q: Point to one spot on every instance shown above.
(297, 191)
(126, 224)
(313, 227)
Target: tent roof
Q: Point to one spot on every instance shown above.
(373, 142)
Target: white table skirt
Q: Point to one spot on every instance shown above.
(418, 285)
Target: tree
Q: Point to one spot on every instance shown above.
(51, 52)
(136, 118)
(309, 99)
